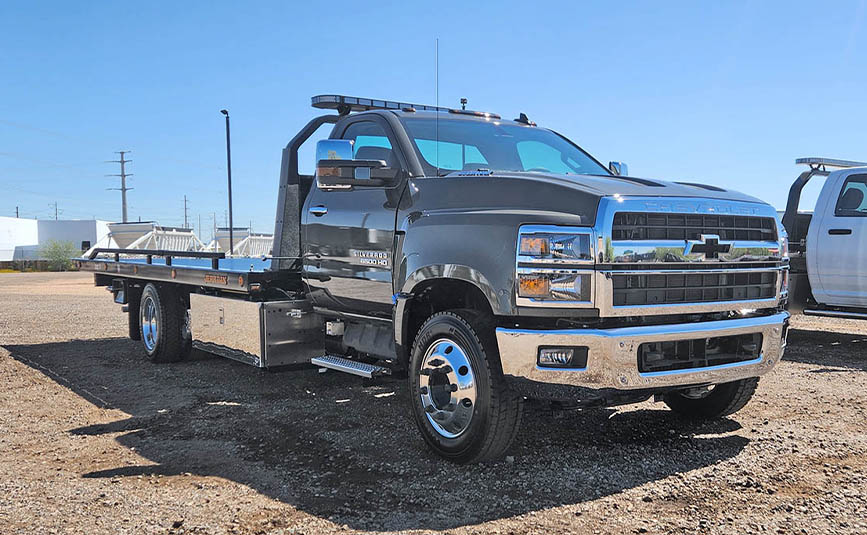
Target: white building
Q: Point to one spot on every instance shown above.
(23, 239)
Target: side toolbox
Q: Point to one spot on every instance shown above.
(265, 335)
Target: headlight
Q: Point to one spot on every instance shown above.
(784, 246)
(554, 264)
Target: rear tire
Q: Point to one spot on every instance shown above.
(723, 400)
(460, 401)
(163, 324)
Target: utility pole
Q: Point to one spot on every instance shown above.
(123, 175)
(214, 231)
(229, 172)
(16, 212)
(54, 204)
(185, 212)
(199, 233)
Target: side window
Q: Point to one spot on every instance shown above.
(371, 143)
(852, 201)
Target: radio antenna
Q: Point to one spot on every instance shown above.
(437, 83)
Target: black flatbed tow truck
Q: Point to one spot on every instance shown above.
(491, 260)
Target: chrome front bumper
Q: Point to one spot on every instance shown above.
(612, 358)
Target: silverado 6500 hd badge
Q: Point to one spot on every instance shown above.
(371, 258)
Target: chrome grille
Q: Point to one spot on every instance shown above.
(639, 226)
(682, 288)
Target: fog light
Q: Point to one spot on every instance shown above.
(562, 357)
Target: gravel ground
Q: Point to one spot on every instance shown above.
(95, 439)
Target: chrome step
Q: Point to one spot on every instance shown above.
(835, 314)
(350, 366)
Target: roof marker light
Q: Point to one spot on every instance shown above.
(829, 162)
(346, 104)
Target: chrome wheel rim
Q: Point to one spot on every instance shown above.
(447, 388)
(149, 326)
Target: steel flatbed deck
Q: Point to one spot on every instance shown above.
(204, 269)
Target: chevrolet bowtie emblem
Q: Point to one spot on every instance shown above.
(709, 245)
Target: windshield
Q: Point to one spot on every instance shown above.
(467, 145)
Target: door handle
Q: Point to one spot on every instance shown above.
(840, 231)
(318, 211)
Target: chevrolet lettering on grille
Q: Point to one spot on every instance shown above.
(709, 245)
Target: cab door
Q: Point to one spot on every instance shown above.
(841, 243)
(349, 233)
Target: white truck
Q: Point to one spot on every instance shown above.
(828, 247)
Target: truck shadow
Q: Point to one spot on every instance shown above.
(345, 450)
(827, 348)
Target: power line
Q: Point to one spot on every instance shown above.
(123, 174)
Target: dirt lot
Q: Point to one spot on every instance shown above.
(94, 439)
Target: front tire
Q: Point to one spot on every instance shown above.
(722, 400)
(163, 324)
(460, 401)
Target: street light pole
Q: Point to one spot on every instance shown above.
(229, 172)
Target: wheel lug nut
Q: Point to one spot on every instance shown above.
(436, 362)
(446, 369)
(425, 371)
(423, 390)
(466, 402)
(454, 387)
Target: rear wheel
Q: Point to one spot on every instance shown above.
(713, 401)
(163, 324)
(460, 401)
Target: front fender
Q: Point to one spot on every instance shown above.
(466, 228)
(463, 247)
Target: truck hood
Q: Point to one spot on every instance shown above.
(605, 185)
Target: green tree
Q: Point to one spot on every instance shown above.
(59, 254)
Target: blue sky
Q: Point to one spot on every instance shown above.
(728, 93)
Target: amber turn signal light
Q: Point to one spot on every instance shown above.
(533, 286)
